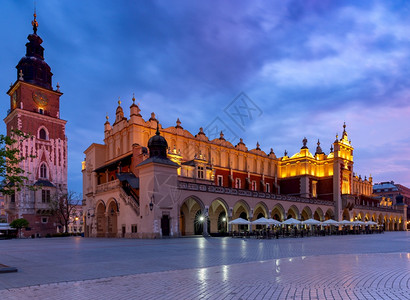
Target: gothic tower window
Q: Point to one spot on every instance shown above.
(42, 134)
(43, 171)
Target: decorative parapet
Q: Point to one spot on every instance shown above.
(379, 208)
(111, 185)
(246, 193)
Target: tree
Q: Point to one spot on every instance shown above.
(63, 206)
(13, 177)
(18, 224)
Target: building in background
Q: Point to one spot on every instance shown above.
(35, 109)
(389, 191)
(147, 181)
(3, 214)
(76, 224)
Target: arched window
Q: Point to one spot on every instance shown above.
(43, 171)
(42, 134)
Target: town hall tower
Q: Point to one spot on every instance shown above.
(35, 110)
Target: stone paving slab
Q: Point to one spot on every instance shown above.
(363, 276)
(76, 262)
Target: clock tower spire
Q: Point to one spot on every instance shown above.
(35, 110)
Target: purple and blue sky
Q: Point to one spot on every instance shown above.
(308, 65)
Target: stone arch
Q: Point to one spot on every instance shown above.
(306, 213)
(112, 217)
(260, 208)
(190, 212)
(241, 209)
(278, 212)
(293, 212)
(380, 220)
(329, 214)
(360, 216)
(100, 213)
(346, 214)
(218, 216)
(318, 215)
(400, 223)
(367, 217)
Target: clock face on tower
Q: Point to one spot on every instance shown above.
(40, 99)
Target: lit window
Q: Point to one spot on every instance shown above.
(314, 189)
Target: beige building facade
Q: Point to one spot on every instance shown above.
(193, 185)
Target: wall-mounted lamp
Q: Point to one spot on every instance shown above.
(151, 204)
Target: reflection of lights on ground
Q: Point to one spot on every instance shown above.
(202, 275)
(225, 273)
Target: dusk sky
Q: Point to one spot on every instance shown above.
(306, 66)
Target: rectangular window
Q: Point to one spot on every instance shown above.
(237, 183)
(134, 228)
(200, 172)
(254, 185)
(45, 196)
(314, 189)
(267, 188)
(220, 180)
(12, 198)
(44, 220)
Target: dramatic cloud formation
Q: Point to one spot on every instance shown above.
(308, 65)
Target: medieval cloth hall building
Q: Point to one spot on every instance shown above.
(147, 181)
(35, 110)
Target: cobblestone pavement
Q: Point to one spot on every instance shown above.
(340, 267)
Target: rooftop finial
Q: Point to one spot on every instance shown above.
(157, 133)
(119, 101)
(133, 98)
(34, 22)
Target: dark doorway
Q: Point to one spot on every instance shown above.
(165, 225)
(198, 223)
(123, 231)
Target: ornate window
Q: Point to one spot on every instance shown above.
(42, 134)
(43, 171)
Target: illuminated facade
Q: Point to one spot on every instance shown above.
(35, 110)
(201, 184)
